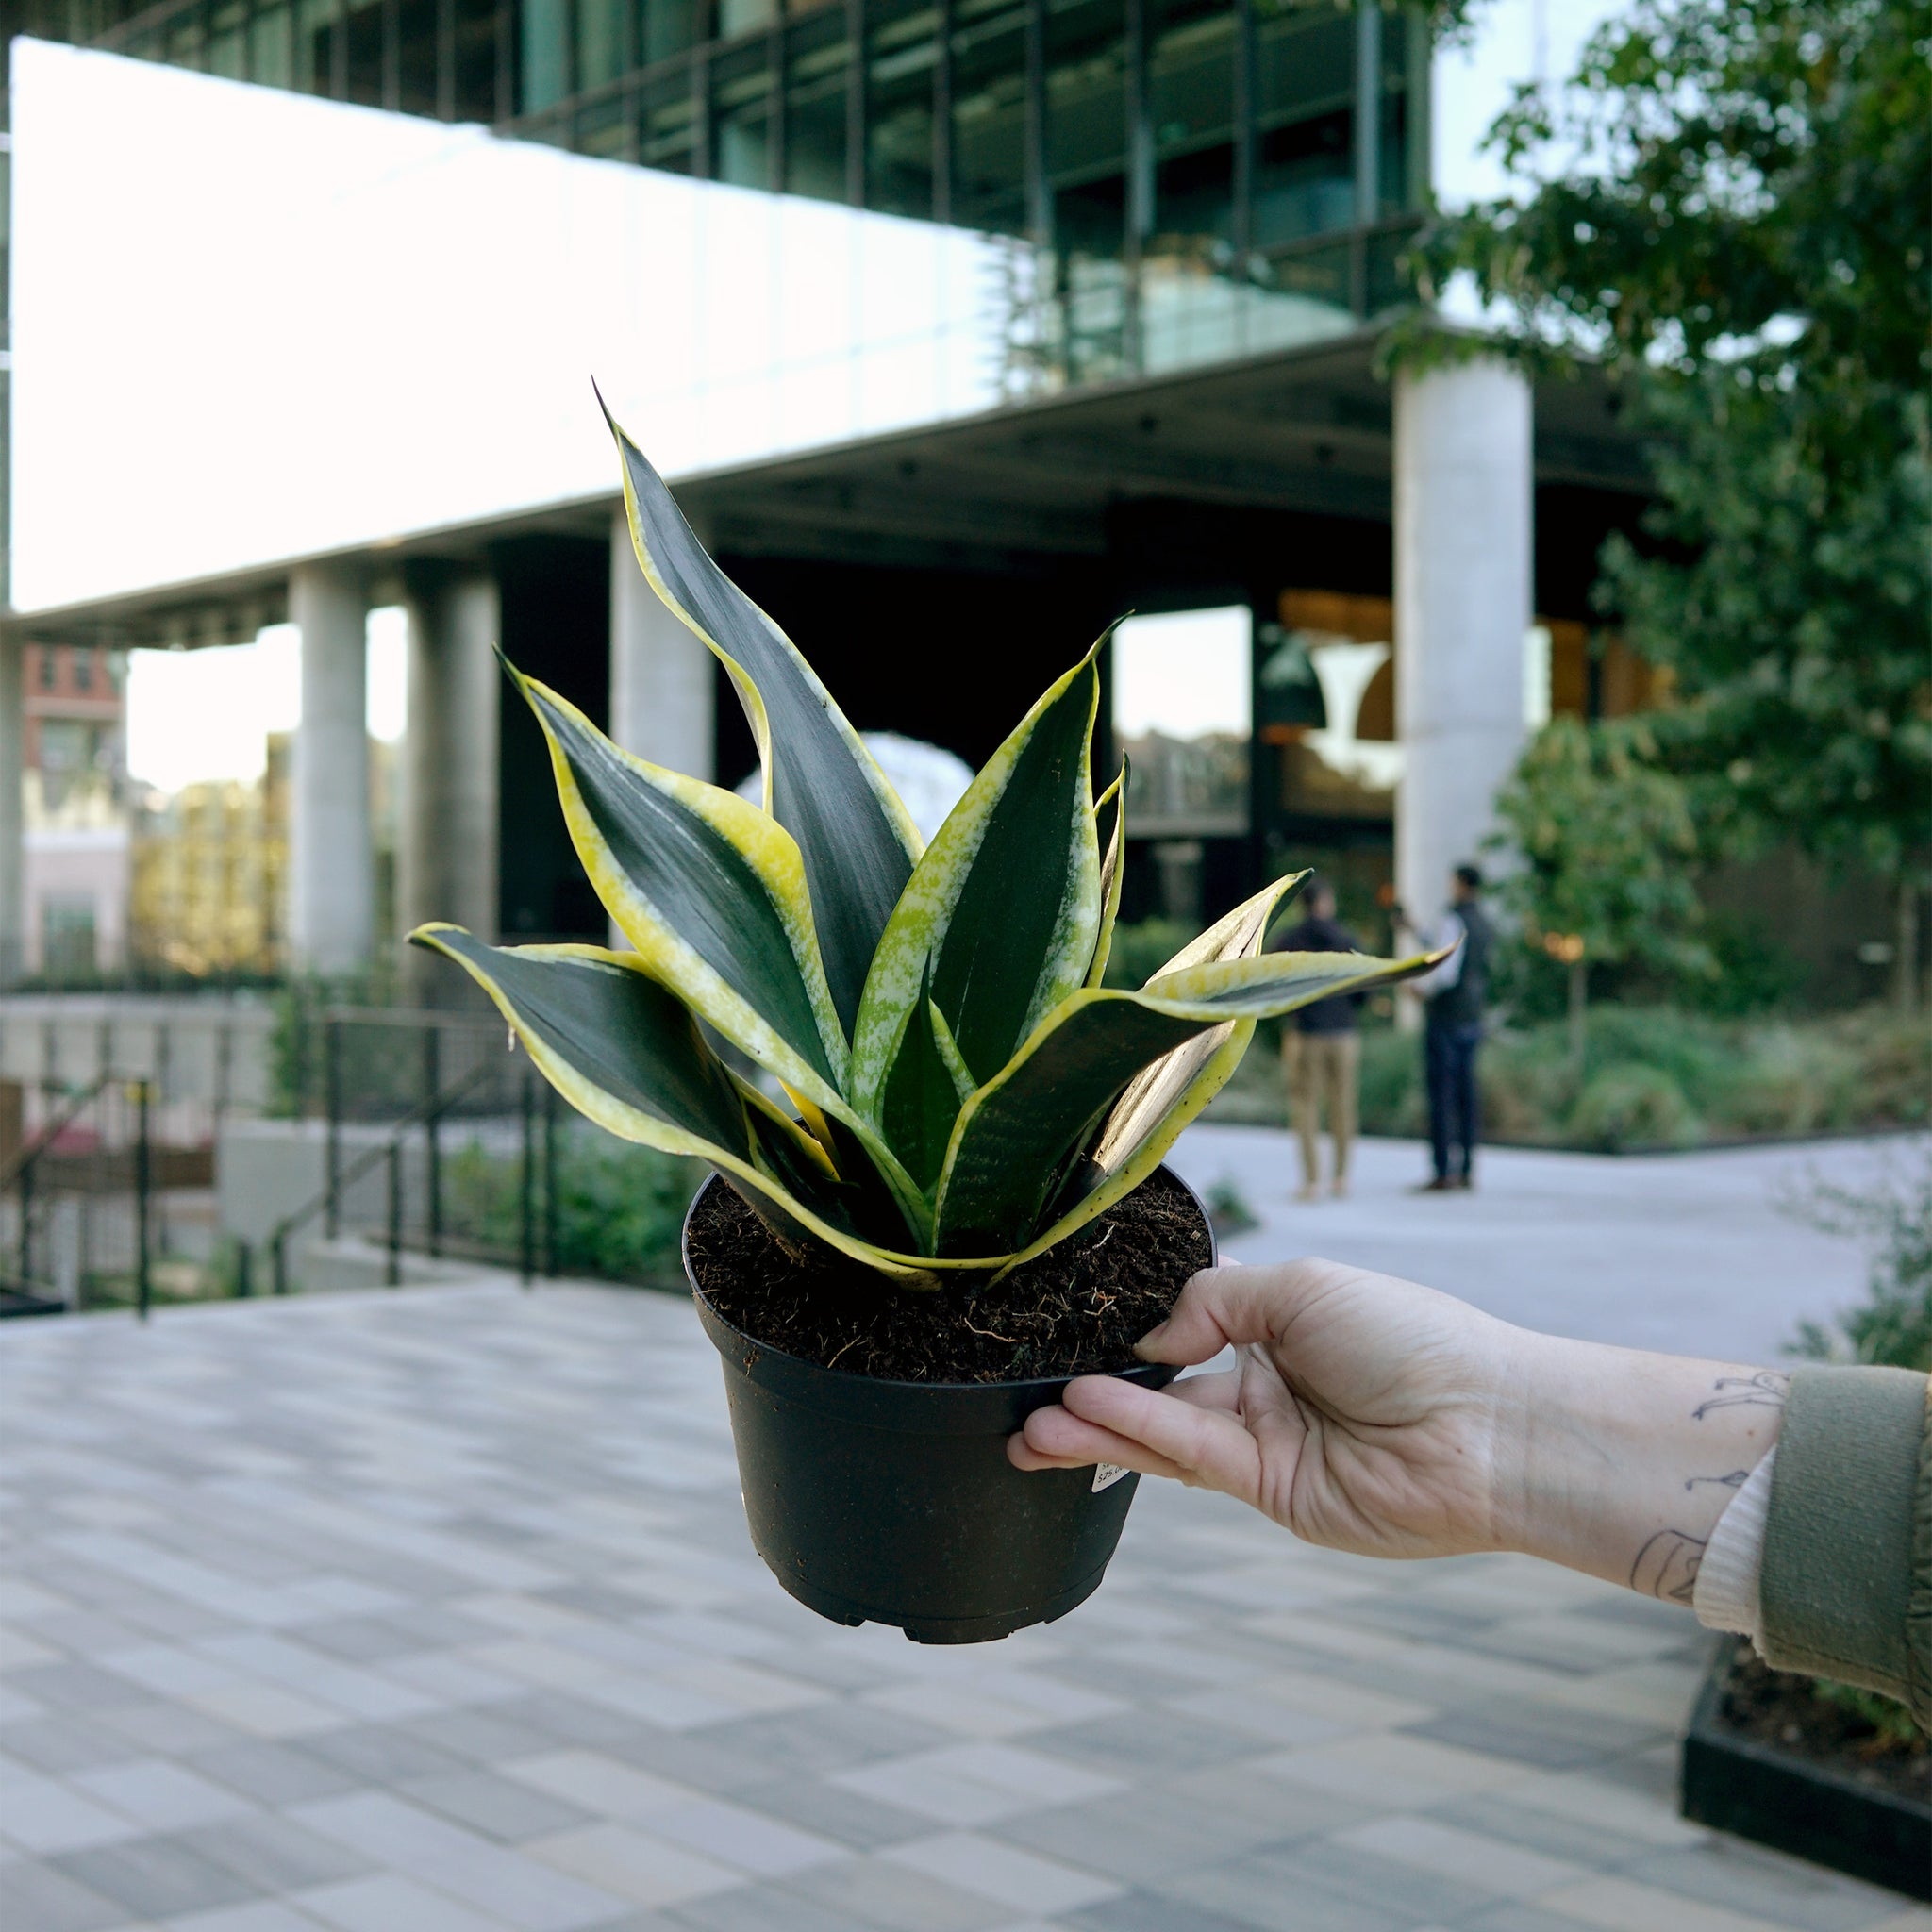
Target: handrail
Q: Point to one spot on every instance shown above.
(20, 1173)
(389, 1150)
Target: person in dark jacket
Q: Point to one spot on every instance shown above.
(1321, 1050)
(1453, 997)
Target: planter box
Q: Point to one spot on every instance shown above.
(1796, 1805)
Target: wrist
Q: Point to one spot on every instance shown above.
(1621, 1462)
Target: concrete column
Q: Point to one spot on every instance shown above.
(446, 855)
(331, 891)
(12, 808)
(662, 685)
(1463, 510)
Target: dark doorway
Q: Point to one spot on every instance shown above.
(556, 598)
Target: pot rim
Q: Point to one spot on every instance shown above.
(1032, 1384)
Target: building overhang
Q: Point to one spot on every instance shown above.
(1307, 430)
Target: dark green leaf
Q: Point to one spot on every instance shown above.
(822, 785)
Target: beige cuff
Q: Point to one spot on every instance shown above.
(1726, 1596)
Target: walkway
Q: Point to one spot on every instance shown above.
(435, 1612)
(1689, 1252)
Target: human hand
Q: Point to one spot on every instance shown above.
(1365, 1413)
(1374, 1415)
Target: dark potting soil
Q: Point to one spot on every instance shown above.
(1078, 1310)
(1791, 1713)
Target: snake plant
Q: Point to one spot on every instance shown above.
(950, 1087)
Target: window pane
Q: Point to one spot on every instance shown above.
(227, 47)
(1086, 125)
(1190, 74)
(601, 36)
(185, 39)
(665, 134)
(365, 56)
(270, 60)
(546, 55)
(742, 117)
(475, 60)
(736, 17)
(900, 56)
(818, 54)
(1305, 178)
(669, 28)
(1304, 158)
(416, 25)
(604, 128)
(315, 36)
(1183, 708)
(990, 117)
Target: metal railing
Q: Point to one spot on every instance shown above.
(82, 1194)
(373, 1058)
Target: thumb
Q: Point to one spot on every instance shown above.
(1224, 1304)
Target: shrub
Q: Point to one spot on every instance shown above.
(1892, 1328)
(618, 1211)
(1633, 1107)
(1140, 950)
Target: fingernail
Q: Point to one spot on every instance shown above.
(1148, 1340)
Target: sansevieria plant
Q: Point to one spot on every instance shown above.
(964, 1090)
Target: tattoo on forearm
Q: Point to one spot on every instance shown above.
(1732, 1479)
(1767, 1389)
(1666, 1566)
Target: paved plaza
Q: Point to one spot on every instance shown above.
(434, 1611)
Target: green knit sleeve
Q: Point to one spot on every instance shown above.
(1846, 1583)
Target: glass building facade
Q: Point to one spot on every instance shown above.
(1191, 179)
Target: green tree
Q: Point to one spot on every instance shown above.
(1605, 848)
(1730, 207)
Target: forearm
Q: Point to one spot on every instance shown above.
(1624, 1461)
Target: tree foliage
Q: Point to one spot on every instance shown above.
(1730, 207)
(1605, 844)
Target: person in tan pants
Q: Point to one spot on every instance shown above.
(1324, 1071)
(1320, 1049)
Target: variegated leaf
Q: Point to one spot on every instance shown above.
(628, 1056)
(857, 841)
(1015, 1136)
(997, 924)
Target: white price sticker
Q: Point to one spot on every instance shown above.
(1106, 1474)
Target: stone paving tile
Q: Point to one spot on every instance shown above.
(64, 1744)
(754, 1909)
(871, 1892)
(273, 1852)
(1520, 1736)
(446, 1623)
(1019, 1880)
(273, 1774)
(848, 1818)
(1749, 1879)
(390, 1902)
(1143, 1911)
(162, 1796)
(635, 1865)
(1626, 1905)
(263, 1915)
(1140, 1835)
(156, 1877)
(499, 1808)
(37, 1898)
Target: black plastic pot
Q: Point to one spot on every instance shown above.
(893, 1502)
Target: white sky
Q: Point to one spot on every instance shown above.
(1183, 673)
(199, 715)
